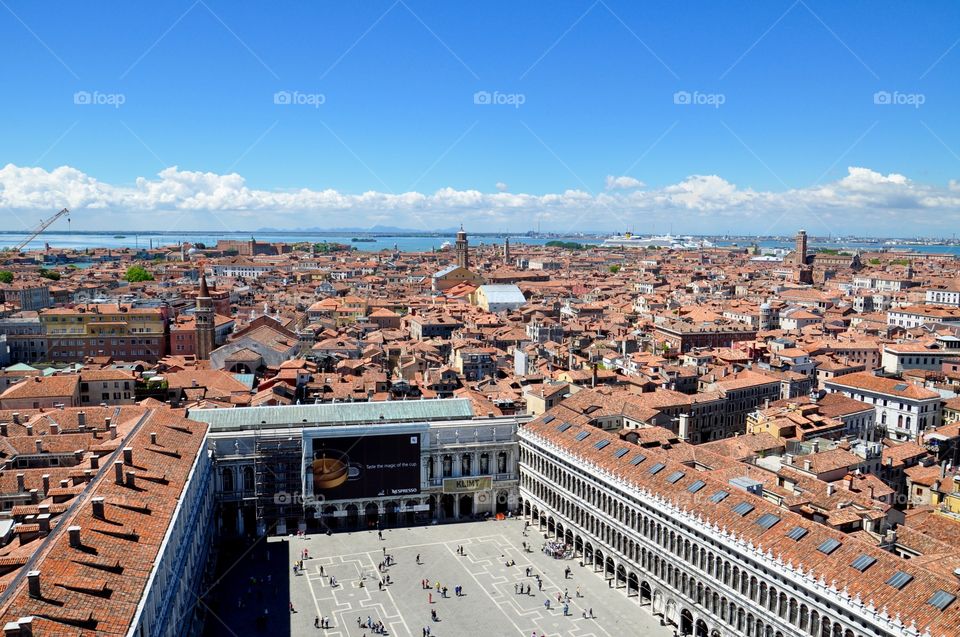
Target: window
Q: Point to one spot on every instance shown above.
(621, 452)
(696, 486)
(828, 546)
(719, 496)
(768, 521)
(637, 459)
(941, 599)
(797, 533)
(548, 419)
(600, 444)
(580, 437)
(675, 476)
(899, 579)
(863, 562)
(743, 508)
(655, 469)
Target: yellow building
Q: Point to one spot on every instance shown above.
(117, 330)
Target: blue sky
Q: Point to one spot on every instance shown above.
(397, 82)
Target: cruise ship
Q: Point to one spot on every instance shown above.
(629, 240)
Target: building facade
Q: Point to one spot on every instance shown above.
(711, 559)
(466, 467)
(120, 331)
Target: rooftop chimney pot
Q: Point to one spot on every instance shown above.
(33, 584)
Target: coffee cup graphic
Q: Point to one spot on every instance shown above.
(332, 468)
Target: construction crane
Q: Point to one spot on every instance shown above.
(39, 229)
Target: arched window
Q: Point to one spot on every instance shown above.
(465, 464)
(502, 462)
(228, 479)
(248, 478)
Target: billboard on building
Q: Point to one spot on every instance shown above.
(361, 465)
(467, 485)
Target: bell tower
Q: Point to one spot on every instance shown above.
(463, 249)
(204, 319)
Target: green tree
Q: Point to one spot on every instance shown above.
(53, 275)
(6, 276)
(137, 273)
(614, 269)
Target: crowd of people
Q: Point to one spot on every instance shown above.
(558, 550)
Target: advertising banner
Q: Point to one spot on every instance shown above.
(361, 466)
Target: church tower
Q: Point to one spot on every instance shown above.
(506, 250)
(462, 248)
(800, 248)
(204, 318)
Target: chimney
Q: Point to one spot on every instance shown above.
(153, 439)
(44, 521)
(74, 532)
(39, 444)
(118, 472)
(131, 479)
(848, 483)
(788, 458)
(4, 431)
(64, 483)
(97, 504)
(81, 419)
(16, 418)
(46, 483)
(684, 432)
(33, 584)
(29, 430)
(807, 464)
(830, 489)
(21, 487)
(55, 428)
(943, 470)
(94, 462)
(23, 627)
(113, 429)
(871, 491)
(34, 496)
(766, 404)
(128, 456)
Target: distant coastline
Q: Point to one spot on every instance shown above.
(425, 241)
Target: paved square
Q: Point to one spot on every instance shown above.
(490, 604)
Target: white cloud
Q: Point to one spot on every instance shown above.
(502, 187)
(623, 182)
(862, 201)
